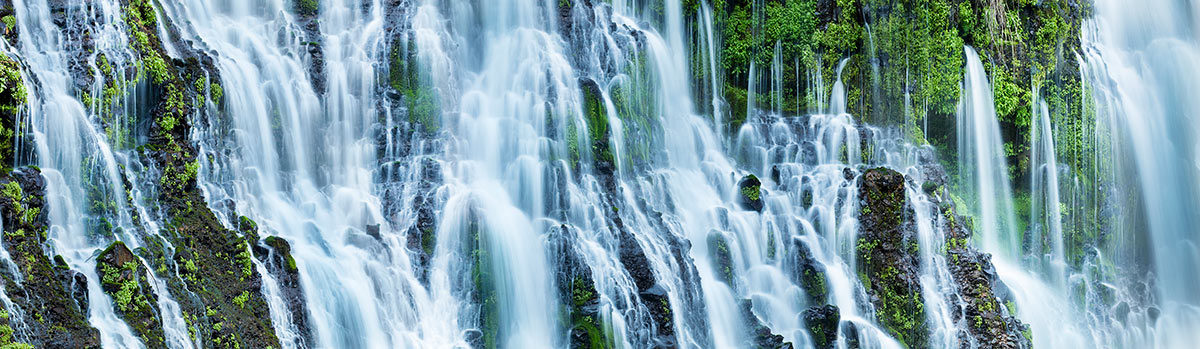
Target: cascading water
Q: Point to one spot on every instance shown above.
(525, 173)
(1139, 66)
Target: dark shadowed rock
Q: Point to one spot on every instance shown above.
(822, 324)
(807, 273)
(750, 193)
(760, 335)
(887, 253)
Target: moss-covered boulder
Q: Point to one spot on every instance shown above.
(750, 193)
(887, 250)
(126, 279)
(822, 325)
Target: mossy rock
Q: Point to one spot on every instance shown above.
(722, 257)
(888, 261)
(125, 279)
(750, 193)
(277, 256)
(595, 113)
(822, 325)
(807, 272)
(52, 297)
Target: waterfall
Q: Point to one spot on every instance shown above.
(1138, 65)
(563, 173)
(982, 169)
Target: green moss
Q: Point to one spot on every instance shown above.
(484, 293)
(129, 288)
(411, 79)
(241, 299)
(10, 23)
(721, 256)
(751, 193)
(596, 115)
(308, 7)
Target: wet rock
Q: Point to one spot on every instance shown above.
(887, 252)
(850, 332)
(125, 279)
(807, 273)
(307, 13)
(760, 335)
(280, 264)
(373, 231)
(576, 290)
(49, 290)
(822, 324)
(718, 250)
(750, 193)
(984, 314)
(218, 288)
(653, 297)
(422, 235)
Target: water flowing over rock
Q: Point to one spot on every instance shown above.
(598, 174)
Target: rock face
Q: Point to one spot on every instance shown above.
(51, 299)
(277, 256)
(887, 256)
(760, 335)
(984, 315)
(822, 325)
(577, 291)
(125, 279)
(807, 273)
(888, 261)
(218, 289)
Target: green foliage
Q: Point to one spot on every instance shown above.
(308, 7)
(12, 87)
(10, 23)
(247, 264)
(241, 299)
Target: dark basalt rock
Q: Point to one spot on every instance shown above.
(307, 11)
(822, 324)
(750, 193)
(126, 280)
(422, 235)
(654, 299)
(887, 253)
(760, 335)
(807, 273)
(577, 291)
(984, 315)
(276, 254)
